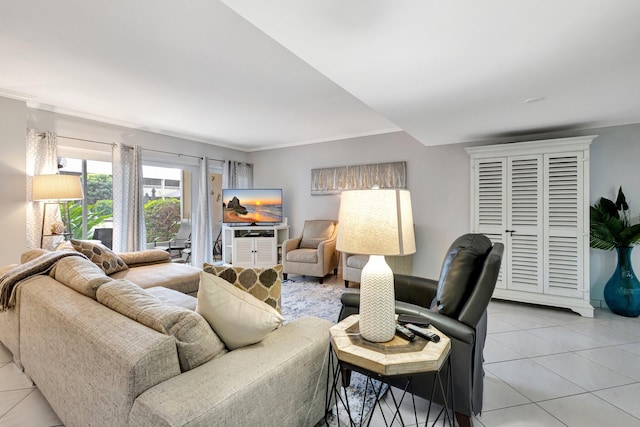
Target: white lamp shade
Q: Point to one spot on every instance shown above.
(376, 222)
(57, 187)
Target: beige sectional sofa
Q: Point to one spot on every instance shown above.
(96, 366)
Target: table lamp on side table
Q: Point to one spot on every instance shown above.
(53, 189)
(376, 222)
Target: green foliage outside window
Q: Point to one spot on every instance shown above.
(162, 219)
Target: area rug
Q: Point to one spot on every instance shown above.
(302, 298)
(309, 298)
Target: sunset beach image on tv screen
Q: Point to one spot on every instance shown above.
(252, 206)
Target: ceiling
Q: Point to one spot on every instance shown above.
(261, 74)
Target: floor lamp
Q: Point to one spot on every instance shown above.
(54, 189)
(376, 222)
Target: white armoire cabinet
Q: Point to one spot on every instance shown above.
(534, 198)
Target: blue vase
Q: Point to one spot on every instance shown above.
(622, 291)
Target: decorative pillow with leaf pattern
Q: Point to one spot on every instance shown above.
(100, 255)
(263, 283)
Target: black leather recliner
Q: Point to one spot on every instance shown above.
(457, 306)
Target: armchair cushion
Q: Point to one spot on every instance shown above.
(357, 261)
(315, 232)
(303, 255)
(460, 269)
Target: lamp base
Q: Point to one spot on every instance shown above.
(377, 301)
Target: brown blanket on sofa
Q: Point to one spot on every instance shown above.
(40, 265)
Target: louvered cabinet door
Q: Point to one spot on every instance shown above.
(525, 223)
(564, 216)
(490, 202)
(534, 198)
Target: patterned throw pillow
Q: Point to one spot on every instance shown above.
(102, 256)
(264, 284)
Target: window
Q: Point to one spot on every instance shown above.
(163, 202)
(96, 210)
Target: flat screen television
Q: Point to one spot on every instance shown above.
(252, 206)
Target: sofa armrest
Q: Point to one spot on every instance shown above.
(278, 382)
(146, 257)
(99, 358)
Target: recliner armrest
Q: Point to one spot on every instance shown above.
(448, 326)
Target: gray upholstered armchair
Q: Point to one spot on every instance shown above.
(457, 306)
(314, 252)
(352, 265)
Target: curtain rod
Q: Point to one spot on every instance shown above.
(145, 149)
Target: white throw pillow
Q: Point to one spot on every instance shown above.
(236, 316)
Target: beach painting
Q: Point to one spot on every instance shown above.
(252, 206)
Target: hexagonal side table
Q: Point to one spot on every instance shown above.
(394, 358)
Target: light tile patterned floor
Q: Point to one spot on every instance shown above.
(549, 367)
(544, 367)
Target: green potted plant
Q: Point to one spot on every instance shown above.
(611, 228)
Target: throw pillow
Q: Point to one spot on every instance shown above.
(316, 231)
(263, 283)
(238, 318)
(101, 255)
(310, 243)
(195, 341)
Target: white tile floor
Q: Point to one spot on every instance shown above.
(549, 367)
(544, 367)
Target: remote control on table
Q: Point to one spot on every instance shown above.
(413, 319)
(405, 333)
(422, 332)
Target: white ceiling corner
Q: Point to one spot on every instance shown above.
(253, 74)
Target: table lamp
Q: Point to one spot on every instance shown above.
(376, 222)
(57, 188)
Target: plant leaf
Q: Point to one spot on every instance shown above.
(630, 236)
(621, 201)
(607, 206)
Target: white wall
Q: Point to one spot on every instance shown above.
(438, 178)
(13, 180)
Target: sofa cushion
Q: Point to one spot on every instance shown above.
(180, 277)
(169, 296)
(195, 340)
(459, 273)
(236, 316)
(263, 283)
(102, 256)
(81, 275)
